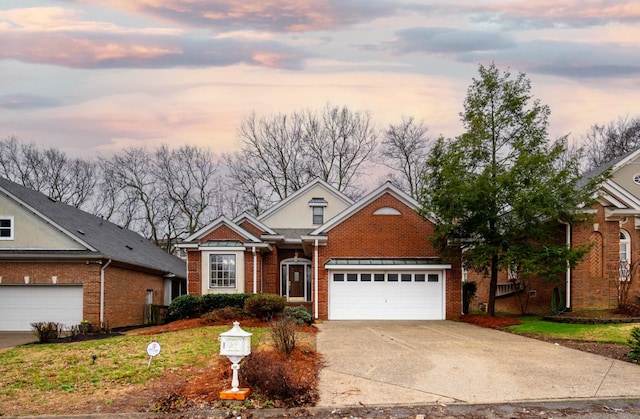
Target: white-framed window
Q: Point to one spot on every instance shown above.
(318, 215)
(222, 272)
(625, 255)
(6, 227)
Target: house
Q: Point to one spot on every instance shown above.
(61, 264)
(370, 259)
(614, 233)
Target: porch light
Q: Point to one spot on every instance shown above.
(235, 344)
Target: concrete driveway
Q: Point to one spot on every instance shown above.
(424, 362)
(10, 339)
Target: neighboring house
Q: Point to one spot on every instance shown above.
(371, 259)
(61, 264)
(614, 233)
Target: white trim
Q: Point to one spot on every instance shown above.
(12, 227)
(301, 191)
(387, 267)
(254, 221)
(377, 193)
(622, 194)
(626, 160)
(317, 280)
(48, 220)
(217, 223)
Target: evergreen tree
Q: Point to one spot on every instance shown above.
(502, 190)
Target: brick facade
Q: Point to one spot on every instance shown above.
(593, 281)
(362, 234)
(125, 289)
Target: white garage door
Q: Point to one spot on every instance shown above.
(22, 305)
(386, 296)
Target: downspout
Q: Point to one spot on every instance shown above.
(568, 274)
(255, 270)
(102, 291)
(315, 274)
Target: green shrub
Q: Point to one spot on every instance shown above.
(47, 331)
(634, 344)
(210, 302)
(265, 306)
(184, 307)
(299, 314)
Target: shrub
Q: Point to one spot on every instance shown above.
(265, 306)
(283, 334)
(634, 344)
(210, 302)
(184, 307)
(226, 313)
(469, 289)
(270, 373)
(47, 331)
(299, 314)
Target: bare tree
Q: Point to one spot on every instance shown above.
(279, 154)
(405, 149)
(606, 142)
(49, 171)
(188, 176)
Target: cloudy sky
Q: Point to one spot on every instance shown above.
(94, 76)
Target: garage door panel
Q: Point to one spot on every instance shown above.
(22, 305)
(385, 300)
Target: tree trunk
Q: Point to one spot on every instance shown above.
(493, 286)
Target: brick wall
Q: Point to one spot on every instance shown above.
(125, 290)
(365, 235)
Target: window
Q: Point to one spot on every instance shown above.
(223, 271)
(432, 278)
(405, 277)
(365, 277)
(6, 228)
(378, 277)
(338, 277)
(420, 277)
(392, 277)
(318, 215)
(352, 277)
(625, 255)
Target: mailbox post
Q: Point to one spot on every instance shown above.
(235, 344)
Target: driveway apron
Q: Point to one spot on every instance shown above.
(416, 362)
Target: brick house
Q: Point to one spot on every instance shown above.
(370, 259)
(614, 233)
(61, 264)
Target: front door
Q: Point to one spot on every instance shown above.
(296, 282)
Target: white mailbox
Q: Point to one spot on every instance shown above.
(235, 342)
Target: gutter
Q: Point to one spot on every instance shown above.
(102, 291)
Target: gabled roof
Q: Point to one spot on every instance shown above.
(101, 238)
(216, 224)
(385, 188)
(251, 219)
(277, 207)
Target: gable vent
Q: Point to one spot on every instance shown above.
(386, 211)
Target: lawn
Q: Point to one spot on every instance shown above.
(603, 333)
(64, 378)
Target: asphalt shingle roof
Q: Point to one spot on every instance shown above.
(109, 240)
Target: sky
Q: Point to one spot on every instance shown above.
(92, 77)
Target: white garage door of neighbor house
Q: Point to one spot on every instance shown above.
(22, 305)
(386, 296)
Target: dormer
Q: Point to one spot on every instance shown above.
(317, 206)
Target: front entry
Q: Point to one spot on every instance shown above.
(296, 280)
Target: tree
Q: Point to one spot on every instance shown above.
(279, 154)
(49, 171)
(501, 190)
(606, 142)
(405, 148)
